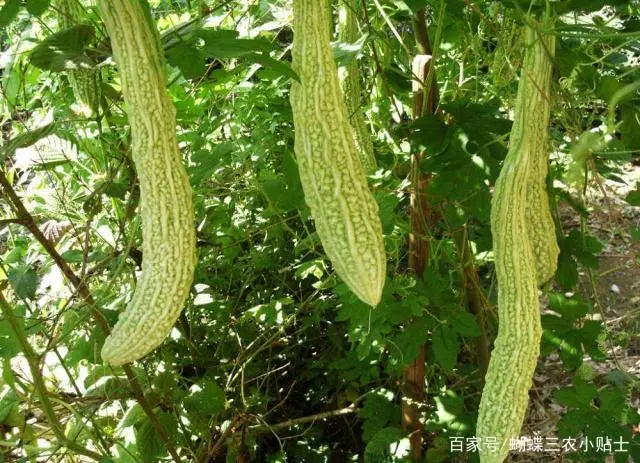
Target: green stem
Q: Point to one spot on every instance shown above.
(38, 383)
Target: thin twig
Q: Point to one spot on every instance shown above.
(305, 419)
(376, 60)
(15, 220)
(38, 383)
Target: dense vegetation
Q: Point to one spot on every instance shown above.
(277, 355)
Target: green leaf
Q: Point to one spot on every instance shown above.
(377, 412)
(26, 139)
(429, 132)
(345, 52)
(613, 401)
(567, 271)
(593, 244)
(571, 308)
(115, 189)
(479, 118)
(589, 336)
(449, 407)
(76, 256)
(583, 247)
(445, 347)
(378, 448)
(387, 204)
(96, 373)
(630, 126)
(211, 159)
(463, 322)
(292, 178)
(8, 403)
(407, 344)
(148, 442)
(399, 81)
(573, 422)
(209, 399)
(76, 430)
(8, 12)
(224, 44)
(132, 417)
(9, 343)
(88, 349)
(24, 281)
(397, 312)
(415, 5)
(435, 286)
(278, 66)
(63, 50)
(37, 7)
(12, 86)
(570, 333)
(579, 396)
(188, 59)
(633, 197)
(274, 188)
(571, 350)
(607, 86)
(107, 388)
(207, 161)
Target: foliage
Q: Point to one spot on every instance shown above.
(274, 358)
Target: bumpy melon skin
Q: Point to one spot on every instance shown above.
(333, 179)
(542, 231)
(85, 82)
(507, 57)
(352, 89)
(506, 393)
(166, 210)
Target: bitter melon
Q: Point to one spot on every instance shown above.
(334, 181)
(168, 233)
(542, 232)
(351, 88)
(85, 82)
(508, 54)
(514, 357)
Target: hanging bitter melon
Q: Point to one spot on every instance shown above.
(168, 233)
(521, 262)
(333, 179)
(542, 231)
(351, 88)
(85, 81)
(508, 54)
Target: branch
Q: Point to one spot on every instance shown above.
(422, 220)
(4, 222)
(305, 419)
(80, 285)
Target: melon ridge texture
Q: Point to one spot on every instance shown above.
(166, 209)
(333, 178)
(513, 360)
